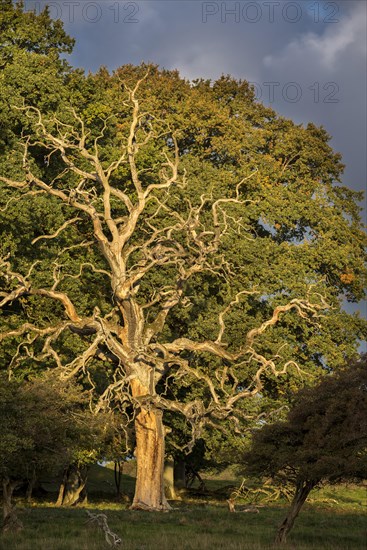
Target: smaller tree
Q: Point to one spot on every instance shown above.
(323, 439)
(42, 424)
(98, 438)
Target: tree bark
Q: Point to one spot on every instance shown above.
(180, 474)
(149, 432)
(10, 519)
(191, 476)
(60, 496)
(169, 479)
(31, 484)
(303, 489)
(72, 489)
(118, 469)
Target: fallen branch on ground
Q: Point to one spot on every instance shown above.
(101, 521)
(232, 508)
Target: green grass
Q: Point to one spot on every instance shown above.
(187, 528)
(200, 523)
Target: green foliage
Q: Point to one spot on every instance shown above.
(31, 67)
(297, 228)
(289, 231)
(324, 436)
(45, 425)
(30, 32)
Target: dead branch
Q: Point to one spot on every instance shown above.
(57, 232)
(186, 242)
(100, 520)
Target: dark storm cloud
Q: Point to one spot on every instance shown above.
(306, 58)
(330, 70)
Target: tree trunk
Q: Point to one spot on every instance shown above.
(60, 496)
(118, 469)
(303, 489)
(191, 476)
(72, 489)
(10, 519)
(31, 485)
(168, 478)
(180, 474)
(149, 432)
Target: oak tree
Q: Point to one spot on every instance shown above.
(182, 248)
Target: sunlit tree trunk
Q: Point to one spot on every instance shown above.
(149, 431)
(169, 478)
(60, 496)
(72, 489)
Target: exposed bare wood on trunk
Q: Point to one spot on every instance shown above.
(149, 429)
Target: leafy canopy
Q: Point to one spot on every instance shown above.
(45, 425)
(193, 267)
(325, 435)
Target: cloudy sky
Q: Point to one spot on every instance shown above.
(306, 58)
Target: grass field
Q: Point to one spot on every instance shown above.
(335, 519)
